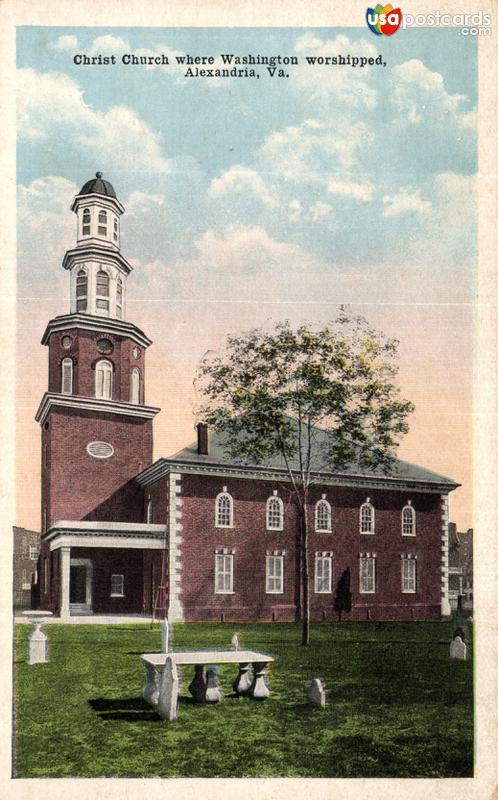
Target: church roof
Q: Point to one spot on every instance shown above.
(218, 457)
(98, 186)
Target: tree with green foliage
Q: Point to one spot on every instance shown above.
(318, 399)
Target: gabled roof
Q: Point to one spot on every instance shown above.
(401, 472)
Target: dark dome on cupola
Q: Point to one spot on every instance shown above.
(98, 186)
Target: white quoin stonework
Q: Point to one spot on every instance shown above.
(175, 607)
(445, 603)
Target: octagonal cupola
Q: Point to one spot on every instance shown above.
(98, 269)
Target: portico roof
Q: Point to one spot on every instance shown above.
(83, 533)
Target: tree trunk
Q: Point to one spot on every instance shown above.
(305, 576)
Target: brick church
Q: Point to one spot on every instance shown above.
(197, 535)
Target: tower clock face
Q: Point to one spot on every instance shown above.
(105, 346)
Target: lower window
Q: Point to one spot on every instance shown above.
(274, 574)
(223, 574)
(367, 575)
(408, 575)
(117, 585)
(323, 574)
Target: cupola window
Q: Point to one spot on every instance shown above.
(67, 376)
(135, 386)
(102, 300)
(102, 223)
(103, 380)
(115, 230)
(86, 222)
(119, 299)
(81, 290)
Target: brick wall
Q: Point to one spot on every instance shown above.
(250, 540)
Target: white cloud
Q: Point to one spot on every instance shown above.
(405, 201)
(141, 203)
(363, 192)
(241, 179)
(295, 209)
(420, 93)
(320, 210)
(68, 42)
(51, 101)
(109, 45)
(343, 83)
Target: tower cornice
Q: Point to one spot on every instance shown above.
(54, 400)
(100, 325)
(95, 252)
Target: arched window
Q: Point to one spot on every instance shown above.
(408, 520)
(81, 290)
(103, 380)
(135, 386)
(367, 517)
(67, 376)
(102, 302)
(86, 222)
(115, 230)
(274, 514)
(323, 516)
(24, 549)
(102, 223)
(224, 510)
(149, 510)
(119, 298)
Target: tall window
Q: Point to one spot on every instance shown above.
(274, 574)
(115, 230)
(224, 510)
(274, 514)
(408, 575)
(323, 516)
(33, 552)
(86, 222)
(24, 547)
(103, 380)
(67, 376)
(135, 386)
(408, 521)
(119, 299)
(81, 290)
(25, 582)
(102, 223)
(102, 301)
(223, 574)
(149, 510)
(323, 574)
(367, 575)
(117, 585)
(367, 518)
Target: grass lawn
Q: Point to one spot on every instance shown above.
(397, 705)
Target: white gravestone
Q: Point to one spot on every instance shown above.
(458, 649)
(166, 636)
(316, 692)
(214, 692)
(167, 702)
(236, 642)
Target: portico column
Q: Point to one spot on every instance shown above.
(65, 563)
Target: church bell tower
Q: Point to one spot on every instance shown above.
(96, 428)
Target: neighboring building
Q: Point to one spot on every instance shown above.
(460, 567)
(219, 536)
(26, 551)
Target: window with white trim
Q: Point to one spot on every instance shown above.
(223, 573)
(24, 581)
(367, 575)
(81, 290)
(115, 229)
(33, 552)
(117, 585)
(24, 547)
(149, 511)
(119, 298)
(102, 298)
(224, 510)
(103, 380)
(408, 521)
(135, 386)
(86, 222)
(67, 376)
(323, 574)
(323, 516)
(274, 514)
(274, 574)
(367, 517)
(408, 575)
(102, 223)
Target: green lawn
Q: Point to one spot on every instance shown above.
(397, 705)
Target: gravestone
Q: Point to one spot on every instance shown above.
(214, 692)
(166, 636)
(458, 649)
(316, 693)
(236, 642)
(167, 702)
